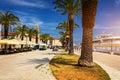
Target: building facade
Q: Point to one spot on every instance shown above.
(107, 43)
(54, 42)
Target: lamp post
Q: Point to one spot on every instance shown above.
(111, 46)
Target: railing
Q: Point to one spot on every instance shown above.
(108, 48)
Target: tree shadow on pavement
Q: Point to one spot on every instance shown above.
(39, 62)
(55, 52)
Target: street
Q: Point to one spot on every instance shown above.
(34, 65)
(26, 66)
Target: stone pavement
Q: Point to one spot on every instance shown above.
(27, 66)
(110, 63)
(35, 65)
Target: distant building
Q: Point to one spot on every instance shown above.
(10, 35)
(107, 43)
(54, 42)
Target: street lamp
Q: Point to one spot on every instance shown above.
(111, 46)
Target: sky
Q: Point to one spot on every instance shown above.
(42, 12)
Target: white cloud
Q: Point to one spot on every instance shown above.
(37, 4)
(49, 26)
(30, 21)
(20, 13)
(34, 23)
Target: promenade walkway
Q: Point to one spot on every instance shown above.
(35, 65)
(110, 63)
(26, 66)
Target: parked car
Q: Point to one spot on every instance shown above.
(43, 46)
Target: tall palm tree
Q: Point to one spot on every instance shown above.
(36, 35)
(7, 19)
(63, 39)
(51, 40)
(71, 8)
(88, 19)
(45, 38)
(21, 31)
(31, 32)
(65, 27)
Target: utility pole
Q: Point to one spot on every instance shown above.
(111, 47)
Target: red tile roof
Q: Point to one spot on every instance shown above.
(55, 38)
(9, 33)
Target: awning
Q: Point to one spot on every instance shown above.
(12, 41)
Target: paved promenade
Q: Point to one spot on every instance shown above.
(110, 63)
(26, 66)
(35, 65)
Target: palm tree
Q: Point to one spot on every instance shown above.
(36, 35)
(65, 27)
(51, 40)
(71, 8)
(7, 19)
(31, 32)
(63, 39)
(21, 31)
(45, 38)
(88, 19)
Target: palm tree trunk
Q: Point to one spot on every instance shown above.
(36, 40)
(29, 38)
(22, 38)
(71, 25)
(86, 58)
(88, 19)
(5, 31)
(5, 35)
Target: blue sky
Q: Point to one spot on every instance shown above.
(31, 12)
